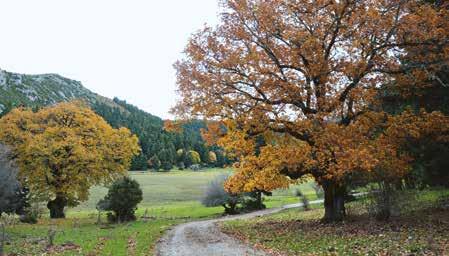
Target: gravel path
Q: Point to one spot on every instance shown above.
(204, 238)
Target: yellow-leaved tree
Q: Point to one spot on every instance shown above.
(307, 77)
(65, 149)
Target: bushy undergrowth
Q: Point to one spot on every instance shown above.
(215, 195)
(122, 200)
(419, 229)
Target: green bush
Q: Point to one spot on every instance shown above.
(122, 199)
(30, 215)
(195, 167)
(304, 199)
(154, 162)
(167, 166)
(253, 201)
(383, 201)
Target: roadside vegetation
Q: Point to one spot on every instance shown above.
(305, 99)
(420, 228)
(168, 199)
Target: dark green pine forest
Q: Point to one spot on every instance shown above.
(161, 150)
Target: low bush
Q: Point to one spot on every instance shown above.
(386, 200)
(304, 200)
(195, 167)
(122, 200)
(215, 195)
(382, 201)
(30, 215)
(318, 191)
(253, 201)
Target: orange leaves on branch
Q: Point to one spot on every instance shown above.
(311, 71)
(236, 143)
(213, 133)
(264, 172)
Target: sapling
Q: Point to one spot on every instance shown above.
(51, 236)
(304, 200)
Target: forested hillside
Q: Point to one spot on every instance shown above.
(160, 149)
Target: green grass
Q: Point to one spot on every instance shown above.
(168, 188)
(422, 229)
(81, 229)
(93, 239)
(169, 198)
(163, 188)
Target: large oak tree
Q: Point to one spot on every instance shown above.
(306, 75)
(65, 149)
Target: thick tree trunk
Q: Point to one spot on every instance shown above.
(57, 206)
(334, 202)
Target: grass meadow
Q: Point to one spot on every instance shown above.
(169, 198)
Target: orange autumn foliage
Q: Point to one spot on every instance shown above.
(306, 75)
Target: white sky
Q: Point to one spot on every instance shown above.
(123, 48)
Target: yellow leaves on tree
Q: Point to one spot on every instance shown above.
(65, 149)
(212, 157)
(194, 156)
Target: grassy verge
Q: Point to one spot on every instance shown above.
(79, 234)
(169, 199)
(421, 231)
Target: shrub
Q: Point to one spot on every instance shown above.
(195, 167)
(253, 200)
(382, 201)
(167, 166)
(122, 199)
(31, 214)
(154, 162)
(215, 195)
(193, 157)
(304, 200)
(318, 190)
(212, 157)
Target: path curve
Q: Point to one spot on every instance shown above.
(204, 238)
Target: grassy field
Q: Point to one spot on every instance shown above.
(423, 229)
(165, 189)
(169, 199)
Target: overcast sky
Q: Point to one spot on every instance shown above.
(123, 48)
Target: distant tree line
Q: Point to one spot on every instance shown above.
(162, 150)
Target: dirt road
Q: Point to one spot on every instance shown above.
(204, 238)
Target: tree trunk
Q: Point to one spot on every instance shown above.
(259, 200)
(334, 202)
(57, 206)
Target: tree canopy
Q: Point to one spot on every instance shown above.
(64, 149)
(307, 76)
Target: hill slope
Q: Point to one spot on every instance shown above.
(42, 90)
